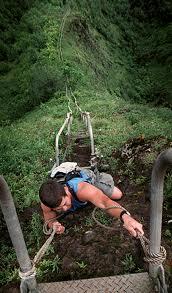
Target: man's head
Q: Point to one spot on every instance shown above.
(51, 193)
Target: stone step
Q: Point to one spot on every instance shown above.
(133, 283)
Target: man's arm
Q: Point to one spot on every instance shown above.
(90, 193)
(49, 214)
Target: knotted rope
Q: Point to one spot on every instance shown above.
(28, 275)
(153, 258)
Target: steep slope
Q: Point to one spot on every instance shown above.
(108, 44)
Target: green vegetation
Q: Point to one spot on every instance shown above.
(8, 271)
(81, 264)
(116, 57)
(36, 231)
(137, 53)
(48, 265)
(89, 222)
(103, 218)
(129, 263)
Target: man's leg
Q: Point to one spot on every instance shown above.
(106, 184)
(117, 193)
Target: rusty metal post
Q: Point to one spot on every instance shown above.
(16, 235)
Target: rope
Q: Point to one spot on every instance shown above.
(29, 274)
(47, 230)
(153, 258)
(98, 222)
(32, 272)
(43, 249)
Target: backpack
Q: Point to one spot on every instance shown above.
(65, 172)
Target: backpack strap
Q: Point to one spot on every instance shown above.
(72, 174)
(64, 178)
(72, 191)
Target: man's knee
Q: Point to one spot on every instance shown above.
(120, 194)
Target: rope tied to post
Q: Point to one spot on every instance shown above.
(154, 258)
(27, 275)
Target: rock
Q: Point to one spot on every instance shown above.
(88, 237)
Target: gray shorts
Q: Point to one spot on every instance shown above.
(103, 181)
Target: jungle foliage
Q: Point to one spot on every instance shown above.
(130, 47)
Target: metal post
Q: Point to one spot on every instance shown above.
(163, 161)
(69, 126)
(67, 120)
(90, 130)
(14, 229)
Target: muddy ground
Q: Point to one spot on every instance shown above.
(87, 250)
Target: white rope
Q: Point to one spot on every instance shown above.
(29, 274)
(48, 231)
(43, 249)
(98, 222)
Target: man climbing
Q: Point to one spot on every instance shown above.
(70, 188)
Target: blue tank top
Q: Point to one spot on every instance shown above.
(73, 184)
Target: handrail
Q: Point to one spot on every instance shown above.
(163, 161)
(16, 235)
(90, 131)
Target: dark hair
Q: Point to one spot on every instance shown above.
(51, 193)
